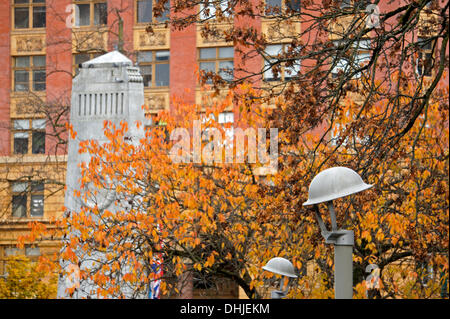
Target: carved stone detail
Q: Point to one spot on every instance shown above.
(155, 39)
(26, 105)
(146, 40)
(29, 43)
(277, 32)
(23, 107)
(156, 101)
(215, 35)
(211, 98)
(89, 41)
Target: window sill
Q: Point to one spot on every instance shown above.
(223, 22)
(28, 31)
(33, 158)
(144, 25)
(40, 94)
(156, 88)
(97, 28)
(28, 158)
(21, 222)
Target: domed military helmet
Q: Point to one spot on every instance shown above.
(280, 266)
(334, 183)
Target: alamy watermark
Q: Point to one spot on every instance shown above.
(230, 149)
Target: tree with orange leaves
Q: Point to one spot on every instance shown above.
(386, 118)
(222, 220)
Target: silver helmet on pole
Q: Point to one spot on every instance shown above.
(333, 183)
(280, 266)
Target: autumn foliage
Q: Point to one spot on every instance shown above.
(214, 220)
(225, 220)
(25, 279)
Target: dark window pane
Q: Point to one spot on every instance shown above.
(80, 58)
(146, 72)
(19, 187)
(207, 53)
(226, 52)
(273, 7)
(162, 74)
(83, 15)
(294, 5)
(39, 61)
(162, 55)
(38, 142)
(37, 205)
(39, 124)
(145, 56)
(226, 70)
(32, 251)
(21, 76)
(165, 14)
(100, 13)
(144, 11)
(425, 64)
(38, 1)
(22, 61)
(39, 17)
(21, 1)
(19, 205)
(269, 74)
(424, 44)
(428, 64)
(208, 66)
(39, 80)
(21, 81)
(21, 124)
(274, 50)
(21, 18)
(37, 186)
(21, 143)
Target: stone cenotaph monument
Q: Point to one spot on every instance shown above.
(109, 88)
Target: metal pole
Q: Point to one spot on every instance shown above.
(343, 266)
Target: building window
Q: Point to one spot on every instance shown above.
(144, 11)
(90, 13)
(209, 8)
(154, 66)
(29, 14)
(425, 60)
(29, 72)
(7, 252)
(219, 60)
(359, 56)
(29, 136)
(27, 199)
(274, 7)
(273, 69)
(29, 251)
(80, 58)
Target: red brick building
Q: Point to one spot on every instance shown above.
(41, 44)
